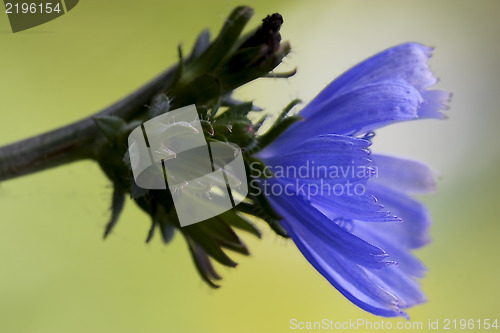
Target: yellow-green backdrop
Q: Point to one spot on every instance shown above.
(58, 275)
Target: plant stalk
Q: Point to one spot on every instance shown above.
(75, 141)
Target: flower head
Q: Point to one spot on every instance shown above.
(349, 212)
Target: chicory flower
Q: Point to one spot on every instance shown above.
(349, 211)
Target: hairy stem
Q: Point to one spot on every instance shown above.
(74, 141)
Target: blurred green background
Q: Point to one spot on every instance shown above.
(58, 275)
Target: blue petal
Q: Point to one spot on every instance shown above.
(413, 232)
(325, 157)
(382, 235)
(353, 281)
(320, 153)
(366, 108)
(387, 88)
(313, 222)
(404, 175)
(354, 207)
(358, 111)
(405, 288)
(407, 62)
(400, 278)
(331, 172)
(331, 200)
(434, 101)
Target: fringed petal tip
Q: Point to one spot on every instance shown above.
(434, 102)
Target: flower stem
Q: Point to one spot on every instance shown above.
(212, 70)
(74, 141)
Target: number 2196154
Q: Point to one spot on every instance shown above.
(32, 8)
(470, 324)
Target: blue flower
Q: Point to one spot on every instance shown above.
(349, 211)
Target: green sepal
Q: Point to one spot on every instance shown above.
(238, 110)
(223, 234)
(201, 45)
(244, 58)
(276, 130)
(126, 160)
(231, 80)
(151, 231)
(278, 228)
(209, 244)
(180, 68)
(228, 100)
(202, 263)
(281, 123)
(264, 205)
(286, 110)
(217, 51)
(282, 75)
(242, 132)
(239, 222)
(207, 127)
(260, 122)
(117, 203)
(136, 191)
(112, 127)
(161, 219)
(199, 91)
(254, 164)
(160, 105)
(255, 210)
